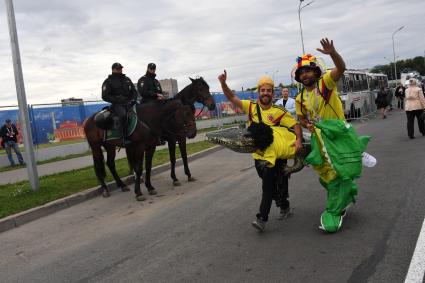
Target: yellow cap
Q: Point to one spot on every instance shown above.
(265, 80)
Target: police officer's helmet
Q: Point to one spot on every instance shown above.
(117, 66)
(152, 66)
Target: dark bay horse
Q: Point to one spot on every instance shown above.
(150, 118)
(197, 91)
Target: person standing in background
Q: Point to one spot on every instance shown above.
(286, 101)
(415, 105)
(381, 102)
(9, 134)
(400, 94)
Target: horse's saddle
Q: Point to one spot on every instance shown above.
(105, 119)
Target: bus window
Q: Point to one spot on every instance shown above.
(364, 82)
(341, 85)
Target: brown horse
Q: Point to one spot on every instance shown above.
(150, 118)
(197, 91)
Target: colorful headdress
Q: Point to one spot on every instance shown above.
(265, 80)
(306, 61)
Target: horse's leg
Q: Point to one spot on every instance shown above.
(133, 156)
(110, 150)
(142, 160)
(172, 152)
(149, 155)
(99, 168)
(183, 152)
(138, 170)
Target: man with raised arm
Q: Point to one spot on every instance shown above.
(336, 149)
(283, 144)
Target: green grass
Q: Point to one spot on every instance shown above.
(19, 197)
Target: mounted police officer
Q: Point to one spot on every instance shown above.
(118, 90)
(149, 88)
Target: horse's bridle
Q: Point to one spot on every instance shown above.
(202, 101)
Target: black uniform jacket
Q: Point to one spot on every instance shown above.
(118, 89)
(148, 87)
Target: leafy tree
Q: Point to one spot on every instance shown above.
(416, 64)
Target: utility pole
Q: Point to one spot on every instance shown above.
(395, 65)
(391, 67)
(22, 100)
(299, 19)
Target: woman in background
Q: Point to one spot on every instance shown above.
(382, 102)
(414, 106)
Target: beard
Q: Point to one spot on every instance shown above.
(265, 99)
(309, 82)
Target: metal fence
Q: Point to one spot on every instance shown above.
(64, 121)
(368, 110)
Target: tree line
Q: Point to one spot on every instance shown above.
(415, 64)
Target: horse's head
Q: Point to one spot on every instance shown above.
(201, 91)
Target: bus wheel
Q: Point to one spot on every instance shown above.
(353, 112)
(358, 113)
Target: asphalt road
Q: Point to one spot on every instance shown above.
(201, 232)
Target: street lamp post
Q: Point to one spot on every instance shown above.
(299, 19)
(391, 68)
(275, 72)
(22, 99)
(395, 66)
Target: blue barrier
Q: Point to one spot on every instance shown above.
(44, 118)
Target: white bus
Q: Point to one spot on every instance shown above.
(358, 90)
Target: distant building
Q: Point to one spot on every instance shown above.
(71, 101)
(169, 86)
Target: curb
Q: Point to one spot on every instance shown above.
(21, 218)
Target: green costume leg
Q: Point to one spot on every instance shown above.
(341, 193)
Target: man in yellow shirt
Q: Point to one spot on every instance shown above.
(319, 106)
(319, 98)
(285, 144)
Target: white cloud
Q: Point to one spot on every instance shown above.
(67, 48)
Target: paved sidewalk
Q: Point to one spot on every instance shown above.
(21, 174)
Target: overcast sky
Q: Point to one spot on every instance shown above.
(68, 47)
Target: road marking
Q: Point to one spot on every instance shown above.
(417, 265)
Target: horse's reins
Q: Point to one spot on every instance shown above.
(196, 117)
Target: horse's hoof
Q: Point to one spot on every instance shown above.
(153, 192)
(125, 189)
(106, 194)
(176, 183)
(192, 179)
(140, 198)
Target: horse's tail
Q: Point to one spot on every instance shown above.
(99, 161)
